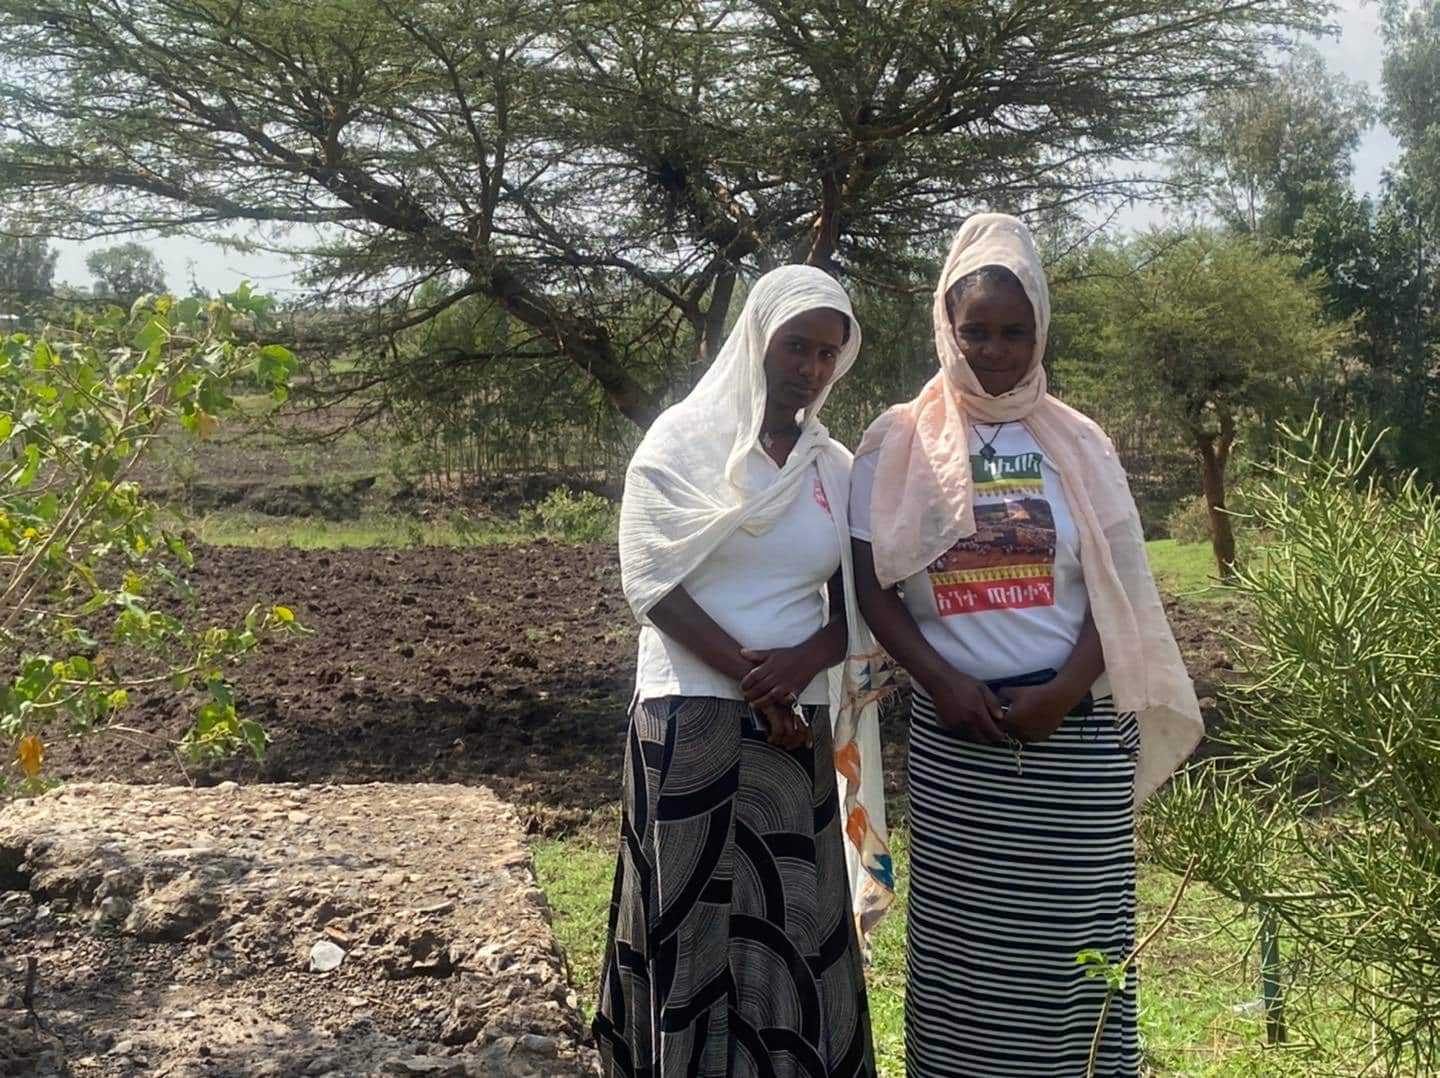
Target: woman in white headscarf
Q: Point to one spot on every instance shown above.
(999, 559)
(733, 945)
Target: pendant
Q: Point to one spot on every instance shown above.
(988, 453)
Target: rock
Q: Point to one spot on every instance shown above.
(111, 912)
(433, 1066)
(422, 955)
(325, 956)
(465, 1022)
(493, 957)
(174, 912)
(295, 816)
(537, 1045)
(245, 887)
(122, 1048)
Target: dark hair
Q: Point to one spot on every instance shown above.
(997, 275)
(844, 337)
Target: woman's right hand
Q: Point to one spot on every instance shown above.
(967, 707)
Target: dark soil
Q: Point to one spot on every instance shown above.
(510, 666)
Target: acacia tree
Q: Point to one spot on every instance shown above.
(1207, 330)
(601, 171)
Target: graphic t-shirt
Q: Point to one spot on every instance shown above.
(1011, 598)
(766, 591)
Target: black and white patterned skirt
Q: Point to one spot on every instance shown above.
(732, 950)
(1017, 866)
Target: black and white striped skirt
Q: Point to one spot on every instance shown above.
(1017, 866)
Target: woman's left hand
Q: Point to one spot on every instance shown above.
(1035, 711)
(779, 675)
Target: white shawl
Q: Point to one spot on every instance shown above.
(687, 489)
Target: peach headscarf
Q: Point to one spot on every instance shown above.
(922, 502)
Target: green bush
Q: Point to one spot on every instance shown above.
(1189, 521)
(1326, 810)
(575, 518)
(86, 562)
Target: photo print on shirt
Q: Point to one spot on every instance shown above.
(1009, 563)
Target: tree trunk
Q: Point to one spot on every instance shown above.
(713, 335)
(1214, 450)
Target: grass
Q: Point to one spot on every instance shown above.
(314, 533)
(1198, 982)
(1186, 570)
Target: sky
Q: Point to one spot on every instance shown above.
(1355, 53)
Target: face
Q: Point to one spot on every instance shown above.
(801, 357)
(994, 325)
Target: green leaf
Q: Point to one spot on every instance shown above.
(254, 736)
(284, 614)
(7, 424)
(31, 468)
(221, 693)
(154, 332)
(188, 310)
(210, 717)
(275, 364)
(179, 550)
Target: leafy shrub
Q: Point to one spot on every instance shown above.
(575, 518)
(1189, 521)
(86, 565)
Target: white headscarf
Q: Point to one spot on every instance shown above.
(688, 488)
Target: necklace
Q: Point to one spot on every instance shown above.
(987, 450)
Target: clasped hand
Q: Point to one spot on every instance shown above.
(773, 686)
(970, 708)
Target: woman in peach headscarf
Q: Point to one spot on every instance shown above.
(999, 559)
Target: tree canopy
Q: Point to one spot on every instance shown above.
(600, 171)
(1262, 153)
(1208, 329)
(127, 271)
(1412, 93)
(27, 267)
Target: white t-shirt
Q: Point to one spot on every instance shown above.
(1010, 599)
(766, 591)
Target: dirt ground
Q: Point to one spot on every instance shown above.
(277, 930)
(510, 667)
(502, 667)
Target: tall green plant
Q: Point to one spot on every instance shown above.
(1327, 811)
(90, 579)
